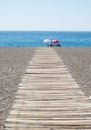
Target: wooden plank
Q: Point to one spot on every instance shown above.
(28, 115)
(47, 66)
(51, 97)
(57, 70)
(48, 87)
(50, 122)
(66, 83)
(52, 105)
(63, 84)
(62, 109)
(72, 92)
(52, 77)
(47, 75)
(21, 99)
(38, 129)
(27, 128)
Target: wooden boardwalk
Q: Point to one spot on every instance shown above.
(48, 97)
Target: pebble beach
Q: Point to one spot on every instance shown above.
(13, 63)
(78, 61)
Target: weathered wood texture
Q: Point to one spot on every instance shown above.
(48, 97)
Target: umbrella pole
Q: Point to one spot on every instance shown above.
(51, 42)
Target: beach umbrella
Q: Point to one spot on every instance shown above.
(47, 41)
(55, 41)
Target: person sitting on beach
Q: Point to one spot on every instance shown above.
(55, 43)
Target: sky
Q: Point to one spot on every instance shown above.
(45, 15)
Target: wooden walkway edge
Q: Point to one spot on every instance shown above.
(48, 97)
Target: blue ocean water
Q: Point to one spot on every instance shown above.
(35, 38)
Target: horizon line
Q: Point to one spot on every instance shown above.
(50, 30)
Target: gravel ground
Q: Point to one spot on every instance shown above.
(78, 61)
(13, 63)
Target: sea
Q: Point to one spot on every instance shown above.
(35, 38)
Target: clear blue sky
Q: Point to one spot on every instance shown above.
(61, 15)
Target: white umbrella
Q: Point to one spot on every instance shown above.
(47, 41)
